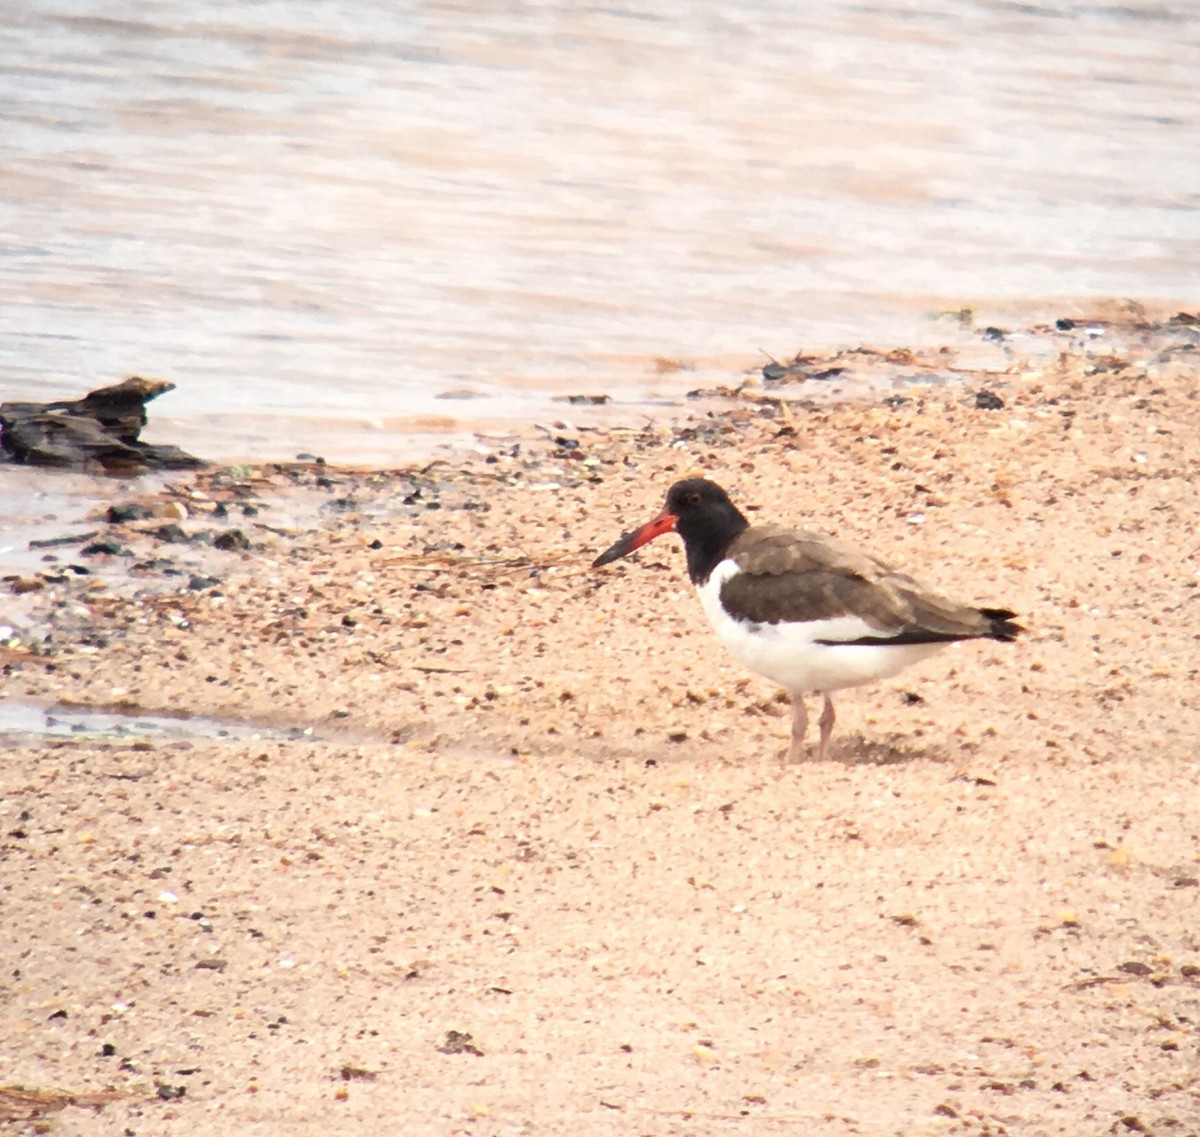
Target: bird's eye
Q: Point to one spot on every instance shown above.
(693, 499)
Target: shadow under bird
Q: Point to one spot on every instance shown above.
(805, 610)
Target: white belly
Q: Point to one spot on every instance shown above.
(789, 654)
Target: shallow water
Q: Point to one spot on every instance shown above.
(28, 719)
(327, 216)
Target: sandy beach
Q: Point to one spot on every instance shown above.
(517, 852)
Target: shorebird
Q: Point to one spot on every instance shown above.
(805, 610)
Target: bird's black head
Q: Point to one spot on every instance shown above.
(702, 514)
(706, 520)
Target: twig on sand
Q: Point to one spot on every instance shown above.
(18, 1103)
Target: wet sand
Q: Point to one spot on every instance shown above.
(539, 808)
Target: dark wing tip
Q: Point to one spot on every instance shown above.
(1003, 625)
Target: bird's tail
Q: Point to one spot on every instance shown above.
(1002, 625)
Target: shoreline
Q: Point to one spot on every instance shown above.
(539, 863)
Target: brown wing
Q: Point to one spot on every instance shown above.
(795, 574)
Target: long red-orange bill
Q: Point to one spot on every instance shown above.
(663, 523)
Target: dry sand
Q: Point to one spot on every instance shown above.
(539, 868)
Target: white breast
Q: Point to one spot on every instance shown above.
(789, 654)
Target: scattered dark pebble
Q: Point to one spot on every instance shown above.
(127, 511)
(1135, 967)
(357, 1073)
(232, 540)
(994, 334)
(774, 371)
(108, 1050)
(376, 544)
(340, 505)
(200, 583)
(588, 400)
(911, 698)
(157, 564)
(567, 443)
(458, 1042)
(211, 964)
(1064, 325)
(895, 402)
(170, 533)
(165, 1092)
(986, 400)
(103, 549)
(826, 374)
(59, 1015)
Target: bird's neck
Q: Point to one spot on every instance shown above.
(707, 544)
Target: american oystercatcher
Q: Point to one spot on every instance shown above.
(803, 609)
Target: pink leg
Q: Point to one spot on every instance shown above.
(799, 726)
(825, 722)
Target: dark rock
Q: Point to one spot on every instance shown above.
(1064, 325)
(340, 505)
(996, 335)
(171, 533)
(101, 428)
(459, 1042)
(103, 549)
(201, 583)
(231, 541)
(127, 511)
(1135, 967)
(986, 400)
